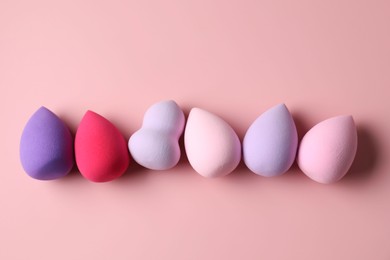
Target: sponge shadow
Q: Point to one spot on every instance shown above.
(183, 162)
(367, 156)
(74, 173)
(302, 127)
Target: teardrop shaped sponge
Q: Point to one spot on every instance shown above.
(328, 149)
(46, 146)
(270, 144)
(100, 149)
(212, 146)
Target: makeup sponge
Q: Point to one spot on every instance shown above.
(46, 146)
(213, 148)
(101, 150)
(270, 143)
(327, 150)
(156, 144)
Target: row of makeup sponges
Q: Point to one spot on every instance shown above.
(269, 148)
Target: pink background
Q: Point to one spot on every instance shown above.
(233, 58)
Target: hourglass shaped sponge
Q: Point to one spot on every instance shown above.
(46, 146)
(156, 144)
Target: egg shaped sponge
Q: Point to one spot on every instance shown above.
(156, 144)
(270, 143)
(46, 146)
(100, 149)
(328, 149)
(212, 146)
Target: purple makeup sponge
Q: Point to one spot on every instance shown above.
(270, 144)
(46, 146)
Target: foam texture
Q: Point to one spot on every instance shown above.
(213, 148)
(270, 143)
(328, 149)
(46, 146)
(101, 150)
(156, 144)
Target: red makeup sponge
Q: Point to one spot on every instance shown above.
(100, 149)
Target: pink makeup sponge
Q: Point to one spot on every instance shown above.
(100, 149)
(156, 144)
(270, 144)
(213, 148)
(327, 150)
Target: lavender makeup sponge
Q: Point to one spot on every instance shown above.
(156, 144)
(213, 148)
(46, 146)
(270, 143)
(328, 149)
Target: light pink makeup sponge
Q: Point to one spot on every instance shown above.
(213, 148)
(327, 150)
